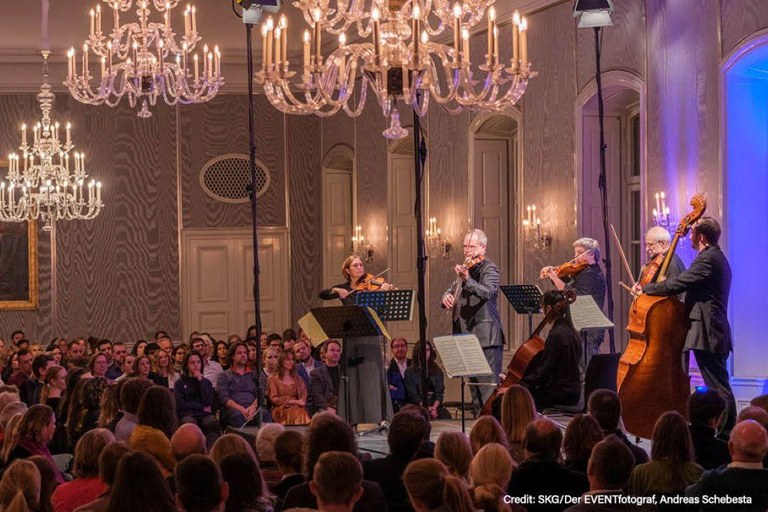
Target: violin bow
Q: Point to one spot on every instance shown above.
(623, 257)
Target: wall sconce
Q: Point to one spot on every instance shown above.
(359, 245)
(436, 243)
(661, 212)
(532, 232)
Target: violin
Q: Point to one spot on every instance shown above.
(459, 283)
(370, 283)
(568, 269)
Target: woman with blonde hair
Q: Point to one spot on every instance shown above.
(229, 444)
(54, 386)
(489, 475)
(486, 430)
(517, 411)
(87, 486)
(287, 392)
(11, 433)
(32, 435)
(453, 450)
(430, 487)
(20, 487)
(163, 372)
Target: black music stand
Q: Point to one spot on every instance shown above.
(525, 300)
(390, 305)
(344, 322)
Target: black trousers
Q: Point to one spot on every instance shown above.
(714, 370)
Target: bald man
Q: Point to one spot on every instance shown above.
(657, 242)
(188, 439)
(745, 476)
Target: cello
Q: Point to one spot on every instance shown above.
(527, 352)
(651, 380)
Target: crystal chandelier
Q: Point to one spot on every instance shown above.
(399, 63)
(42, 183)
(143, 61)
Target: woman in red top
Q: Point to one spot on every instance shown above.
(87, 486)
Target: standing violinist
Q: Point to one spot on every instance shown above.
(657, 241)
(707, 284)
(476, 311)
(369, 400)
(589, 281)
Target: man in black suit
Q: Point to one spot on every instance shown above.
(604, 405)
(745, 476)
(406, 432)
(657, 241)
(476, 311)
(324, 381)
(396, 372)
(541, 473)
(707, 285)
(705, 410)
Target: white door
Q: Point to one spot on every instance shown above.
(337, 223)
(217, 285)
(492, 209)
(402, 238)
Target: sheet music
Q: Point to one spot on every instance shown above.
(586, 314)
(312, 328)
(378, 321)
(462, 356)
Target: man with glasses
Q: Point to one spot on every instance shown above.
(657, 241)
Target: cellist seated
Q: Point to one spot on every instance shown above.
(553, 376)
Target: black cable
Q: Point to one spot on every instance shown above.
(235, 10)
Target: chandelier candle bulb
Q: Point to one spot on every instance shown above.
(284, 31)
(93, 22)
(496, 44)
(278, 46)
(197, 69)
(456, 29)
(415, 34)
(187, 23)
(217, 54)
(263, 46)
(524, 43)
(491, 26)
(24, 134)
(307, 38)
(270, 30)
(210, 64)
(376, 39)
(116, 15)
(465, 44)
(318, 46)
(109, 57)
(98, 19)
(194, 20)
(663, 203)
(85, 61)
(167, 16)
(515, 41)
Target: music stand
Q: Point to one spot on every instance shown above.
(588, 317)
(390, 305)
(345, 322)
(525, 300)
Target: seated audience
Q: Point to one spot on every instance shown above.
(337, 482)
(86, 416)
(142, 368)
(406, 431)
(187, 440)
(396, 372)
(48, 482)
(211, 369)
(237, 389)
(754, 413)
(179, 353)
(287, 391)
(54, 386)
(139, 347)
(328, 433)
(247, 490)
(431, 488)
(604, 405)
(540, 472)
(270, 360)
(109, 460)
(581, 435)
(8, 412)
(517, 411)
(116, 367)
(98, 365)
(324, 382)
(199, 486)
(265, 452)
(221, 356)
(289, 338)
(157, 421)
(139, 486)
(227, 445)
(7, 397)
(11, 436)
(289, 455)
(486, 430)
(195, 398)
(87, 486)
(29, 390)
(453, 449)
(427, 448)
(20, 487)
(706, 409)
(489, 476)
(130, 398)
(305, 362)
(32, 435)
(609, 469)
(760, 401)
(435, 382)
(252, 354)
(129, 369)
(165, 344)
(672, 467)
(745, 476)
(274, 340)
(109, 408)
(163, 372)
(24, 372)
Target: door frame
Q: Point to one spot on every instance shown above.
(330, 164)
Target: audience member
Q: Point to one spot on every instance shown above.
(435, 382)
(139, 486)
(8, 397)
(706, 409)
(109, 408)
(431, 488)
(287, 391)
(760, 401)
(237, 389)
(211, 369)
(517, 411)
(24, 372)
(130, 399)
(163, 373)
(305, 362)
(540, 472)
(265, 452)
(604, 405)
(54, 386)
(87, 486)
(323, 394)
(48, 482)
(337, 482)
(11, 436)
(179, 354)
(33, 433)
(85, 417)
(672, 467)
(270, 361)
(30, 389)
(427, 448)
(116, 360)
(98, 365)
(142, 368)
(247, 490)
(486, 430)
(109, 460)
(406, 431)
(289, 338)
(489, 475)
(581, 435)
(20, 487)
(199, 485)
(453, 450)
(227, 445)
(289, 455)
(222, 357)
(157, 422)
(396, 372)
(165, 344)
(8, 412)
(139, 348)
(745, 476)
(328, 433)
(195, 398)
(187, 440)
(756, 413)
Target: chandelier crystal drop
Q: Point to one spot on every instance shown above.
(143, 60)
(400, 62)
(47, 179)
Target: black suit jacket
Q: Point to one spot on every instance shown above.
(286, 484)
(733, 482)
(710, 451)
(542, 475)
(479, 312)
(707, 285)
(388, 473)
(321, 389)
(556, 370)
(676, 267)
(372, 500)
(641, 457)
(435, 386)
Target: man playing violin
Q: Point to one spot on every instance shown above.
(476, 309)
(589, 281)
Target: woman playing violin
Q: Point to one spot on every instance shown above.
(588, 281)
(353, 271)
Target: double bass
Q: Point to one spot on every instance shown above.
(651, 380)
(527, 352)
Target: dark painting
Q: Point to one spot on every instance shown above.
(18, 265)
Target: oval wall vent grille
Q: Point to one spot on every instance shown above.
(226, 178)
